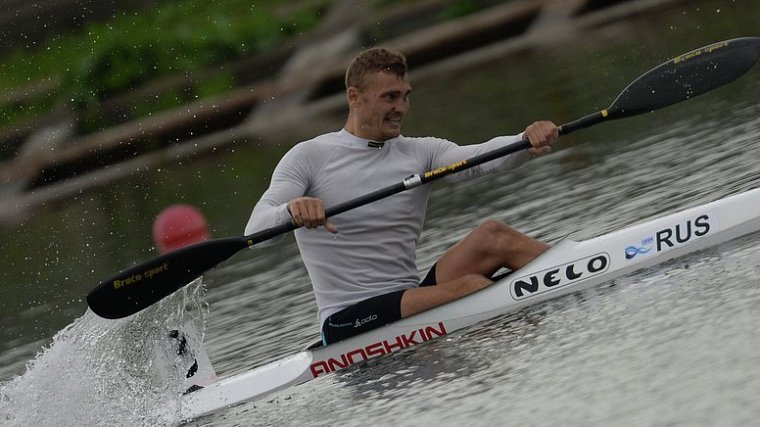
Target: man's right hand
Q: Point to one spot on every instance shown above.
(309, 212)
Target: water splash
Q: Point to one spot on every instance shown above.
(111, 372)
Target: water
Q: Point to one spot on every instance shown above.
(98, 372)
(672, 345)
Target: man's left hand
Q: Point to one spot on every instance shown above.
(541, 135)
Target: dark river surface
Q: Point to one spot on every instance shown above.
(677, 344)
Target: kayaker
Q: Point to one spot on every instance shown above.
(362, 262)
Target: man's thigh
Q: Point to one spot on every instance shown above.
(466, 257)
(489, 247)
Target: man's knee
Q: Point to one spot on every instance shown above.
(495, 235)
(494, 226)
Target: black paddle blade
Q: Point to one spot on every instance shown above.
(145, 284)
(687, 76)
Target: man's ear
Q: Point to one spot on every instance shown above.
(352, 94)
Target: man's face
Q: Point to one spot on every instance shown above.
(381, 106)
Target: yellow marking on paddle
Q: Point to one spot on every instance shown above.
(693, 54)
(250, 242)
(604, 113)
(137, 277)
(444, 169)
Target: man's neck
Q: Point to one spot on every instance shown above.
(354, 128)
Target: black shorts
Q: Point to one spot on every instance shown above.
(368, 314)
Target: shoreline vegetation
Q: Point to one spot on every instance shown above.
(186, 43)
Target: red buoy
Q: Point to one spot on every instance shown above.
(178, 226)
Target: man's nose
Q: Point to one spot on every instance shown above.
(401, 105)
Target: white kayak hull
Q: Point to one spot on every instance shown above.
(567, 267)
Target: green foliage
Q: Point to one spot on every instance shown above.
(459, 9)
(218, 83)
(109, 58)
(182, 37)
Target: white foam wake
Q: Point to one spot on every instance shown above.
(110, 372)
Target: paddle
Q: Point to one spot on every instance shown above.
(679, 79)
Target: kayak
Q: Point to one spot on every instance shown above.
(569, 266)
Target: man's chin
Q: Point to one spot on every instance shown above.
(392, 133)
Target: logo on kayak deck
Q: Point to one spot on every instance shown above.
(559, 276)
(673, 236)
(642, 249)
(324, 363)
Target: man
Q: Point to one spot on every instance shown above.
(362, 262)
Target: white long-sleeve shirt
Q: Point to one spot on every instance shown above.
(374, 250)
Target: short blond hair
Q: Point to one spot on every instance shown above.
(374, 60)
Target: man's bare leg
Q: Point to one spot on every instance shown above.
(489, 247)
(468, 265)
